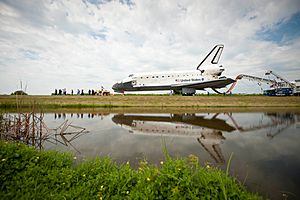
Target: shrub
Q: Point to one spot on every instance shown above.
(19, 92)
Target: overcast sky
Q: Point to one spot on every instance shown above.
(89, 43)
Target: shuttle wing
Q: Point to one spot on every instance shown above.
(218, 83)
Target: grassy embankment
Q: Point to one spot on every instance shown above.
(240, 101)
(30, 174)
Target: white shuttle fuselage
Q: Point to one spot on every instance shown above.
(207, 75)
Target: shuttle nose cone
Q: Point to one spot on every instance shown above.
(115, 87)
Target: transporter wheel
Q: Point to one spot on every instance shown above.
(177, 92)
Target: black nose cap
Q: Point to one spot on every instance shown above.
(115, 87)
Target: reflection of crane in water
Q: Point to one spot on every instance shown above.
(208, 131)
(283, 120)
(278, 122)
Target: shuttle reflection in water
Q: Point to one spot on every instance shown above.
(206, 128)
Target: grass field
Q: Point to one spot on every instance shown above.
(234, 101)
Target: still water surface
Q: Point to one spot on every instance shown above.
(265, 146)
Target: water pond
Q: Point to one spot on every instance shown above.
(265, 146)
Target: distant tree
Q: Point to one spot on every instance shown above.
(19, 92)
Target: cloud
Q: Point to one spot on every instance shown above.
(86, 44)
(283, 31)
(32, 55)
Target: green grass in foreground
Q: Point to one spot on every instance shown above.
(29, 174)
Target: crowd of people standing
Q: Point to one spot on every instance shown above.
(101, 92)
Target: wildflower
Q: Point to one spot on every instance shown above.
(207, 166)
(143, 162)
(127, 192)
(83, 175)
(64, 183)
(3, 160)
(178, 169)
(161, 162)
(74, 157)
(101, 188)
(37, 157)
(193, 158)
(100, 198)
(127, 163)
(148, 179)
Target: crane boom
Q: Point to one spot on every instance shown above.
(255, 78)
(280, 78)
(252, 78)
(278, 86)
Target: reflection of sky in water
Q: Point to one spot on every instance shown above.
(264, 146)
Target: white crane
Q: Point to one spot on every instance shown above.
(283, 82)
(279, 85)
